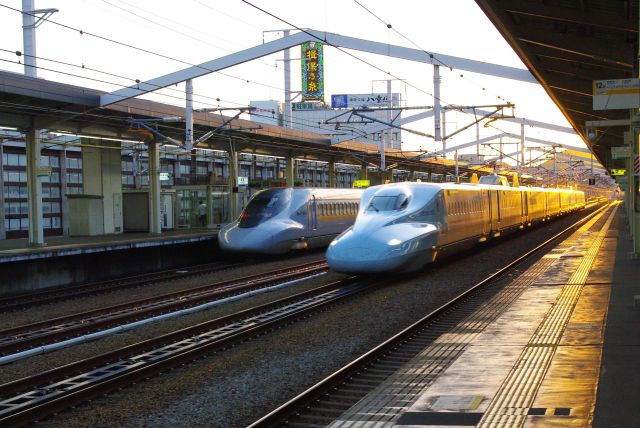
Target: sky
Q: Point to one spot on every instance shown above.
(108, 44)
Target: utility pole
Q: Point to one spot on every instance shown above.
(521, 159)
(189, 115)
(29, 25)
(436, 101)
(287, 85)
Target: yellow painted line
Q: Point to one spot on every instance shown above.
(518, 392)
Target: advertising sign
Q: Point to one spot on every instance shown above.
(616, 94)
(312, 71)
(364, 100)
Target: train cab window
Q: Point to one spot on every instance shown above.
(302, 210)
(388, 203)
(263, 206)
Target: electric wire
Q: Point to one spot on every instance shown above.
(82, 32)
(368, 63)
(431, 54)
(198, 66)
(178, 31)
(174, 59)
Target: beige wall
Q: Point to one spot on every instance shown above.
(101, 167)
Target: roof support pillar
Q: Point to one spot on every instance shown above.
(34, 188)
(155, 225)
(364, 171)
(332, 173)
(3, 232)
(233, 183)
(289, 170)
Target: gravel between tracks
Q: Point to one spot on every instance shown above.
(237, 386)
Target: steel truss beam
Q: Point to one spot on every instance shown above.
(330, 39)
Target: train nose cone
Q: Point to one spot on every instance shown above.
(353, 259)
(250, 239)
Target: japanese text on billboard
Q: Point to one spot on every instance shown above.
(312, 71)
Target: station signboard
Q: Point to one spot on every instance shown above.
(361, 184)
(622, 152)
(312, 60)
(164, 176)
(618, 171)
(243, 181)
(616, 94)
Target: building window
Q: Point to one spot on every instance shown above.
(14, 159)
(74, 177)
(73, 163)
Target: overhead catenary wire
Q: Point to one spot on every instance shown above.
(178, 31)
(431, 54)
(137, 48)
(87, 33)
(199, 66)
(352, 55)
(222, 73)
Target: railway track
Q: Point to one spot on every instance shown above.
(17, 342)
(36, 397)
(49, 296)
(343, 395)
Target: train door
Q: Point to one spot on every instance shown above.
(524, 199)
(312, 214)
(494, 211)
(486, 212)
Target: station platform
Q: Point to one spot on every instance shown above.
(565, 352)
(13, 250)
(72, 260)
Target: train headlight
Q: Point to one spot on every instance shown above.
(394, 241)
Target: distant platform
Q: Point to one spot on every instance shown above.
(17, 250)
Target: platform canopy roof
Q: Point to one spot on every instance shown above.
(567, 45)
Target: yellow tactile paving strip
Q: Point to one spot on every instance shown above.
(486, 356)
(511, 405)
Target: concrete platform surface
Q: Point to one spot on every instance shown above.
(565, 353)
(13, 250)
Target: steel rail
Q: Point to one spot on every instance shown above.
(41, 297)
(25, 337)
(36, 397)
(303, 403)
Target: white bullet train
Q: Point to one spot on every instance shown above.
(276, 221)
(401, 227)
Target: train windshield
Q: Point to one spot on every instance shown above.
(263, 206)
(388, 203)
